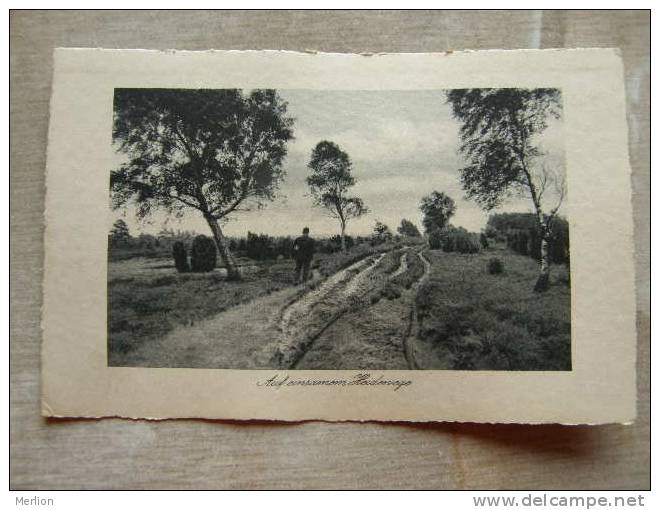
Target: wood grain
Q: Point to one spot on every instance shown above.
(126, 454)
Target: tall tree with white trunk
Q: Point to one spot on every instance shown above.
(499, 135)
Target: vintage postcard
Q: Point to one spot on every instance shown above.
(288, 236)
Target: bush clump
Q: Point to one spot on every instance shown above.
(259, 246)
(202, 254)
(435, 240)
(180, 257)
(455, 239)
(522, 235)
(495, 266)
(461, 241)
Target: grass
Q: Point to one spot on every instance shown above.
(391, 261)
(469, 319)
(118, 253)
(142, 308)
(473, 320)
(147, 298)
(415, 271)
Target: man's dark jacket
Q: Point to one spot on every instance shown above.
(303, 248)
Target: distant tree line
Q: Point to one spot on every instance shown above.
(455, 239)
(264, 247)
(521, 232)
(261, 247)
(122, 245)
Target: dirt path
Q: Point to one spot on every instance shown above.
(328, 291)
(257, 334)
(307, 318)
(373, 334)
(343, 322)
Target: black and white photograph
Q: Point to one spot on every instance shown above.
(339, 230)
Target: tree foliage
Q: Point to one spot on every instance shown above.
(214, 151)
(119, 234)
(210, 150)
(499, 141)
(438, 209)
(498, 129)
(382, 232)
(408, 229)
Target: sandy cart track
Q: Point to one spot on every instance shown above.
(372, 334)
(403, 265)
(305, 319)
(332, 324)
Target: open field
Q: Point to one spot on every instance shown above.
(472, 320)
(391, 306)
(147, 298)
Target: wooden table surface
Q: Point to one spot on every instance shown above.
(114, 453)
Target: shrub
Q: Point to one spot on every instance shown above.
(413, 274)
(461, 241)
(391, 292)
(259, 246)
(180, 257)
(558, 247)
(518, 241)
(202, 254)
(435, 240)
(381, 234)
(391, 262)
(523, 235)
(483, 240)
(453, 239)
(283, 247)
(495, 266)
(490, 232)
(333, 244)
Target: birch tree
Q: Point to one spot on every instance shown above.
(499, 134)
(214, 152)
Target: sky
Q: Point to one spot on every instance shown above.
(403, 145)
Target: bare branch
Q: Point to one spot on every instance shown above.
(544, 175)
(560, 188)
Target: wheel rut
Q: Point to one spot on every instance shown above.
(413, 325)
(304, 319)
(372, 332)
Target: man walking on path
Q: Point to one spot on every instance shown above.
(303, 252)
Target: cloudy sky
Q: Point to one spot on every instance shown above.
(402, 144)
